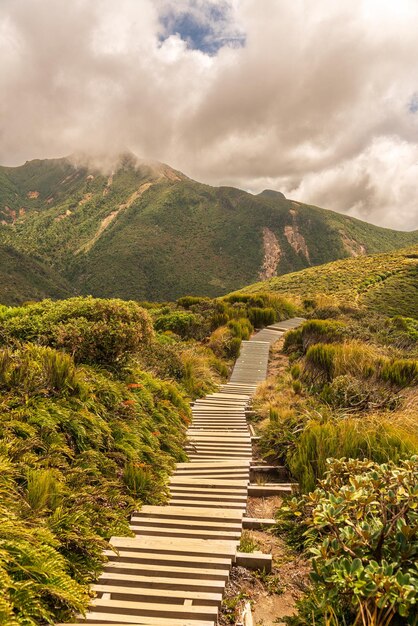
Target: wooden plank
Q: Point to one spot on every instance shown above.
(124, 607)
(177, 571)
(162, 582)
(126, 593)
(134, 556)
(104, 619)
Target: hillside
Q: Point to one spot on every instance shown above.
(384, 282)
(24, 278)
(146, 231)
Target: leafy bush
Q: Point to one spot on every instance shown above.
(188, 301)
(186, 325)
(92, 330)
(241, 328)
(363, 536)
(79, 450)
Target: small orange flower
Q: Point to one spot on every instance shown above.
(134, 386)
(128, 402)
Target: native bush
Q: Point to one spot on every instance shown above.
(347, 391)
(362, 533)
(92, 330)
(260, 317)
(85, 449)
(379, 440)
(313, 332)
(241, 328)
(323, 362)
(400, 372)
(186, 325)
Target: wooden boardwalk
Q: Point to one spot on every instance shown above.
(173, 572)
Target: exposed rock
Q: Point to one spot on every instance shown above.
(272, 255)
(353, 247)
(294, 237)
(32, 195)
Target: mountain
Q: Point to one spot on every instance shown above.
(383, 282)
(147, 231)
(23, 277)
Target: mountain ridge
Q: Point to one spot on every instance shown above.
(147, 231)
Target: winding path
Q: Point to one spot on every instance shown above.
(173, 572)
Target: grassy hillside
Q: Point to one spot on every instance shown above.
(385, 282)
(24, 278)
(148, 232)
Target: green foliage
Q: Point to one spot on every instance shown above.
(247, 542)
(151, 233)
(384, 283)
(79, 449)
(241, 328)
(260, 317)
(362, 530)
(186, 325)
(312, 332)
(400, 372)
(351, 438)
(91, 330)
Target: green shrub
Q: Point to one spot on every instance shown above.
(241, 328)
(92, 330)
(77, 450)
(346, 391)
(188, 301)
(362, 529)
(400, 372)
(323, 362)
(186, 325)
(313, 332)
(281, 435)
(260, 317)
(233, 349)
(320, 362)
(380, 441)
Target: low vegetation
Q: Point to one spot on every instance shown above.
(93, 414)
(341, 417)
(150, 232)
(384, 283)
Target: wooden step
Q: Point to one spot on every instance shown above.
(186, 524)
(104, 619)
(176, 546)
(162, 582)
(141, 609)
(176, 571)
(151, 595)
(174, 512)
(133, 556)
(164, 531)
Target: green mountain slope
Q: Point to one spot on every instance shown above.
(149, 232)
(24, 278)
(384, 282)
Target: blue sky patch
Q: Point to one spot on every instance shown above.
(203, 25)
(413, 103)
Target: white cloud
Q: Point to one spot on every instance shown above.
(317, 103)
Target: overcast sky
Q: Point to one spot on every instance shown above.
(316, 98)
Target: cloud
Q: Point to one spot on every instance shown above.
(318, 99)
